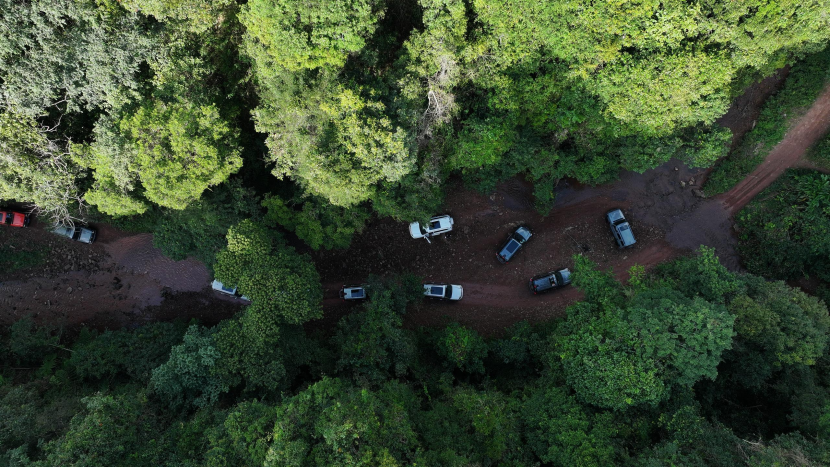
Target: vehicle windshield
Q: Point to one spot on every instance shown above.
(448, 292)
(8, 219)
(77, 234)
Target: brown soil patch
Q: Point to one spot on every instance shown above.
(496, 295)
(121, 280)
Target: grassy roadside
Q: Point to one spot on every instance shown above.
(16, 255)
(820, 153)
(806, 80)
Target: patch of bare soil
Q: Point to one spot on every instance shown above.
(497, 295)
(121, 280)
(812, 126)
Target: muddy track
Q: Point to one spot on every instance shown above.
(788, 153)
(126, 281)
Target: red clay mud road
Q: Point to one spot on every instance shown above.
(803, 134)
(123, 280)
(668, 214)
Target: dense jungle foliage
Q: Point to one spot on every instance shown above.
(222, 125)
(143, 110)
(690, 365)
(785, 230)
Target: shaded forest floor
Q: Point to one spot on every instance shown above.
(123, 280)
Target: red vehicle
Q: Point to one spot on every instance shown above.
(14, 219)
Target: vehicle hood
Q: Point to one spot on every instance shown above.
(523, 232)
(457, 292)
(415, 230)
(566, 276)
(615, 215)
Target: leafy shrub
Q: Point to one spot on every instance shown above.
(820, 153)
(130, 353)
(462, 348)
(187, 378)
(318, 223)
(199, 230)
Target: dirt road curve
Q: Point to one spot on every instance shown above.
(803, 134)
(123, 280)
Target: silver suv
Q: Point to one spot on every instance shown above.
(620, 228)
(514, 242)
(79, 234)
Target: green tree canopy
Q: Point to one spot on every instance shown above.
(296, 36)
(281, 284)
(616, 357)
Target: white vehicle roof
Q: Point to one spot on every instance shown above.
(437, 225)
(221, 288)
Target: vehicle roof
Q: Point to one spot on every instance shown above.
(86, 234)
(512, 246)
(356, 292)
(216, 285)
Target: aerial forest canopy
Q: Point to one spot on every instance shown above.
(362, 106)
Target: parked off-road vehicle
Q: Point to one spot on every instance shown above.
(14, 219)
(437, 226)
(550, 281)
(443, 291)
(221, 288)
(620, 228)
(77, 233)
(353, 292)
(514, 242)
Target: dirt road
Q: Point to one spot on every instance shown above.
(124, 280)
(788, 153)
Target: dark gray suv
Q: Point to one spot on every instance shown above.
(550, 281)
(620, 228)
(514, 242)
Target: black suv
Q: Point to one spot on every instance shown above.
(620, 228)
(514, 242)
(550, 281)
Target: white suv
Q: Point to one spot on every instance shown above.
(443, 291)
(222, 288)
(437, 225)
